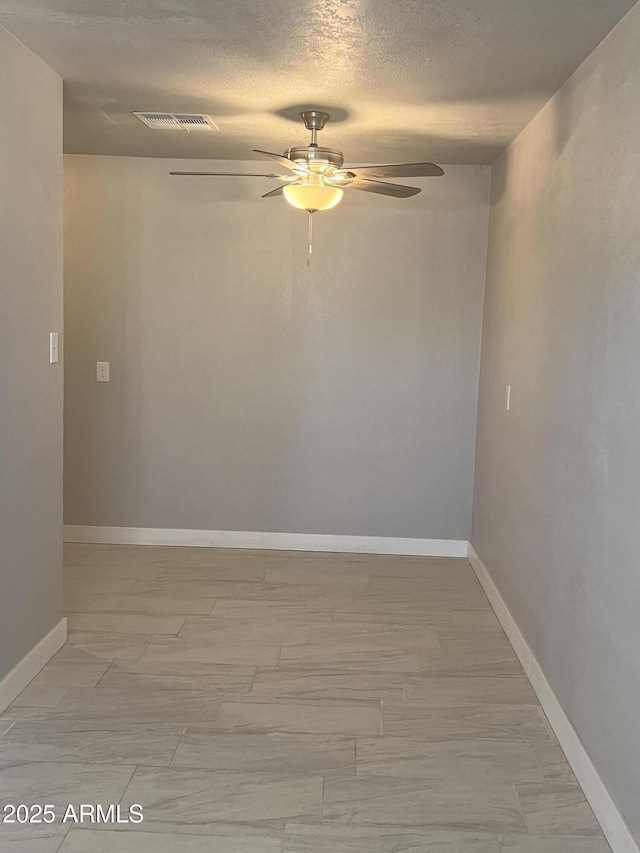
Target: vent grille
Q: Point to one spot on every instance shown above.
(176, 121)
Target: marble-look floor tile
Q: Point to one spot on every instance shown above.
(223, 557)
(124, 623)
(62, 783)
(369, 647)
(217, 679)
(553, 763)
(432, 619)
(73, 551)
(275, 553)
(77, 602)
(221, 838)
(107, 706)
(345, 718)
(322, 755)
(341, 557)
(551, 844)
(48, 740)
(467, 639)
(43, 696)
(389, 839)
(150, 603)
(422, 571)
(283, 660)
(476, 620)
(492, 761)
(200, 798)
(318, 573)
(485, 654)
(479, 722)
(30, 838)
(231, 632)
(464, 584)
(415, 566)
(14, 713)
(70, 655)
(422, 568)
(451, 692)
(172, 650)
(240, 572)
(122, 572)
(93, 584)
(556, 808)
(344, 656)
(373, 634)
(188, 588)
(284, 682)
(304, 594)
(366, 646)
(375, 602)
(136, 555)
(174, 556)
(109, 646)
(381, 800)
(459, 593)
(273, 612)
(338, 561)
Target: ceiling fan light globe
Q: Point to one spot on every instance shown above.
(312, 196)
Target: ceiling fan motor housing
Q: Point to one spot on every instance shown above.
(314, 155)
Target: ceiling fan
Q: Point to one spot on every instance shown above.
(315, 178)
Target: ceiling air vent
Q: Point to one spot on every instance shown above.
(176, 121)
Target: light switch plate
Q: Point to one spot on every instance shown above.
(102, 371)
(507, 399)
(54, 356)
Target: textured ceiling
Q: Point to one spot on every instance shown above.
(446, 80)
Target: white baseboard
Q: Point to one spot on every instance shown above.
(266, 541)
(14, 683)
(613, 824)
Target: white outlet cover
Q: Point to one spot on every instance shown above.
(54, 354)
(102, 371)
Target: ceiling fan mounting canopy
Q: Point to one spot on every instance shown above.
(314, 119)
(315, 173)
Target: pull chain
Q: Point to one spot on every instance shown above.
(310, 238)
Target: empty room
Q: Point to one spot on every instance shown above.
(319, 426)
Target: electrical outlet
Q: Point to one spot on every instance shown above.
(102, 371)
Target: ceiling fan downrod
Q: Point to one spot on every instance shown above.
(314, 120)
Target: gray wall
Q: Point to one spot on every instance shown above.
(557, 490)
(30, 388)
(250, 393)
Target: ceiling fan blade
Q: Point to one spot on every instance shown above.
(396, 190)
(234, 174)
(278, 190)
(284, 161)
(399, 170)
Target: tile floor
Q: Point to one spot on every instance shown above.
(270, 702)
